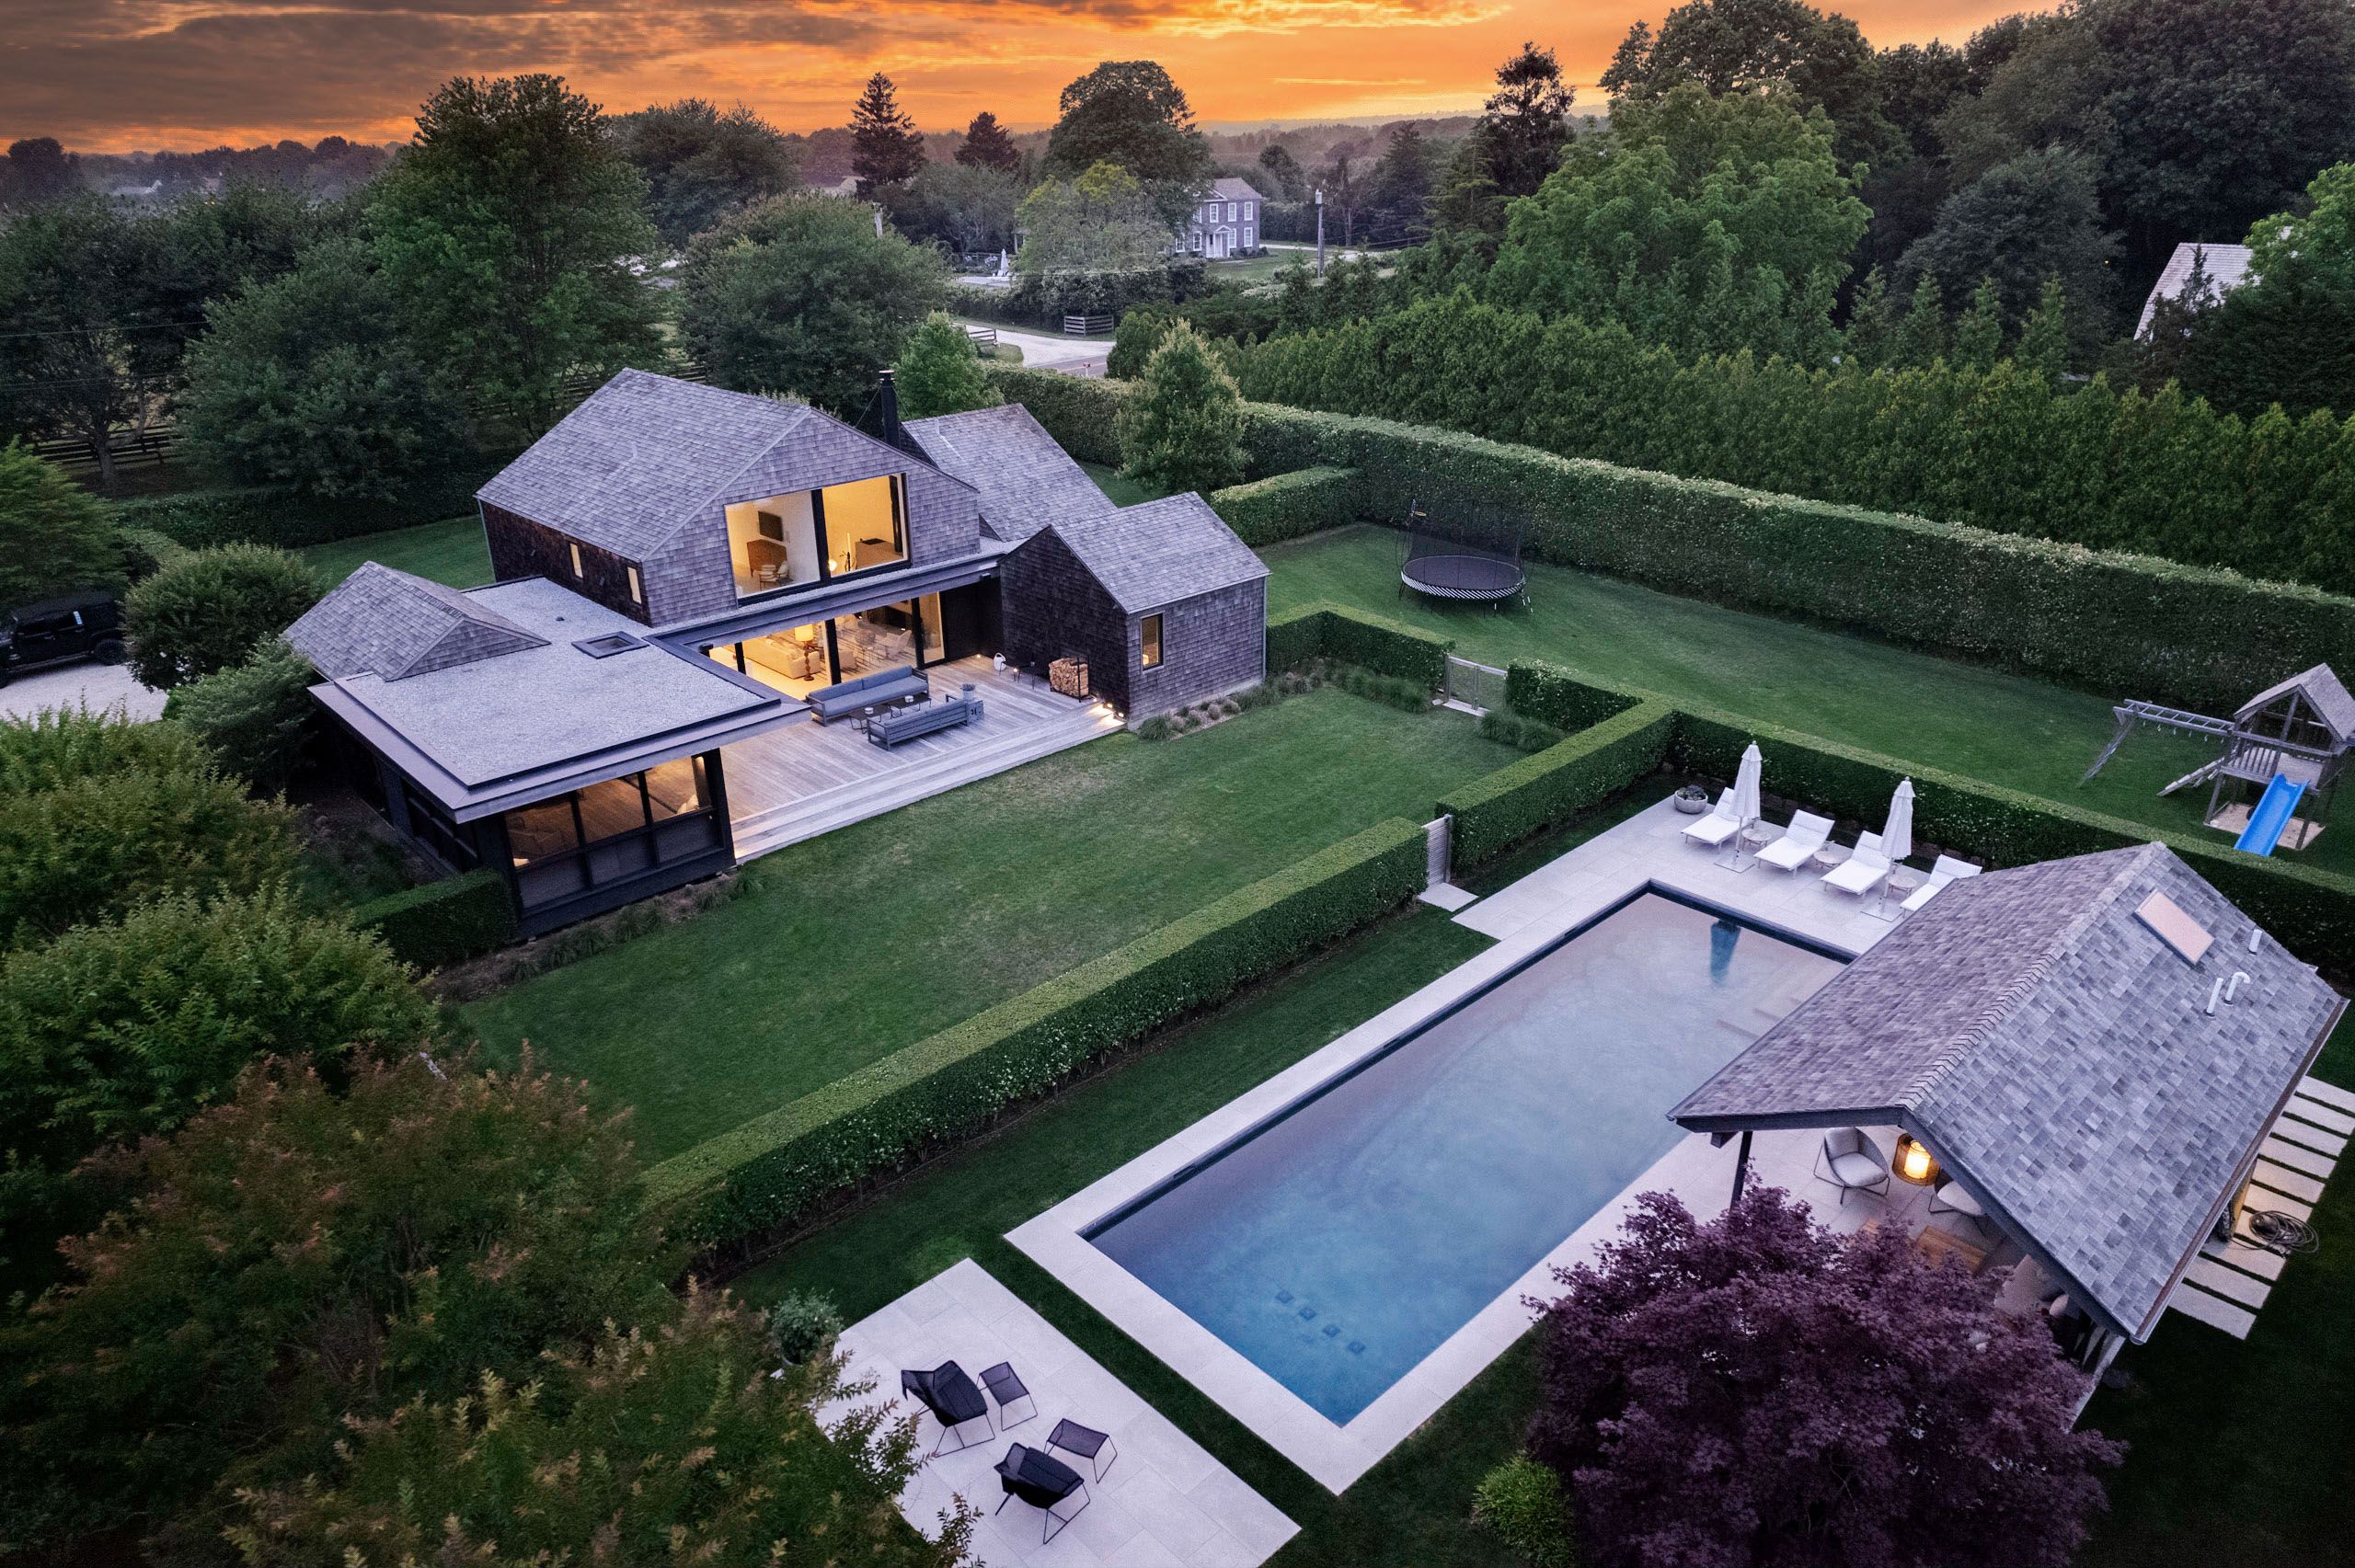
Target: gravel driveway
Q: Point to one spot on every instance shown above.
(95, 686)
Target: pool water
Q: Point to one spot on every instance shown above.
(1340, 1244)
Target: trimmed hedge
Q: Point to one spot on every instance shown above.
(262, 515)
(1286, 506)
(1494, 812)
(2111, 622)
(443, 922)
(1553, 695)
(775, 1169)
(1083, 413)
(1308, 632)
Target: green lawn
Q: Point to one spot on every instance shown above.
(1251, 269)
(1121, 492)
(449, 551)
(849, 946)
(2000, 728)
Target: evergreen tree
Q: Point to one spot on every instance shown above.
(1978, 331)
(887, 148)
(988, 146)
(1401, 196)
(1283, 171)
(55, 535)
(1183, 426)
(940, 372)
(1922, 336)
(1523, 126)
(2043, 347)
(1871, 333)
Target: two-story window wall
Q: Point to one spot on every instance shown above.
(794, 540)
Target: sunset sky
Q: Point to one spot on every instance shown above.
(114, 76)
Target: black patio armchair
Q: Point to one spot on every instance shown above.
(953, 1401)
(1044, 1482)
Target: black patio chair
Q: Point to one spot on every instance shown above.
(1007, 1388)
(1044, 1482)
(953, 1401)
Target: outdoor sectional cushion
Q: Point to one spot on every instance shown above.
(890, 729)
(885, 686)
(1855, 1170)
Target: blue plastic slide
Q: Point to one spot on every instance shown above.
(2272, 818)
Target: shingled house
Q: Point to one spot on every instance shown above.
(686, 578)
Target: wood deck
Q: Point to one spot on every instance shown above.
(807, 778)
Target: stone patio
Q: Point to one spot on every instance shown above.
(1163, 1500)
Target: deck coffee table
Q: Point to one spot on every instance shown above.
(1086, 1442)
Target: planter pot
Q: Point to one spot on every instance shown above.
(1691, 801)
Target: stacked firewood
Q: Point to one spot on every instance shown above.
(1068, 676)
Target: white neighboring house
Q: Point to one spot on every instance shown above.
(1225, 223)
(2227, 268)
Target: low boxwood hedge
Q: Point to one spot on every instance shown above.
(1494, 812)
(1553, 695)
(1319, 630)
(262, 515)
(1286, 506)
(443, 922)
(766, 1174)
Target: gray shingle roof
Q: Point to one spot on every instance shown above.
(1160, 553)
(2322, 688)
(2227, 267)
(2056, 1057)
(393, 625)
(1025, 480)
(1226, 187)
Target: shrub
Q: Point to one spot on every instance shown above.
(1140, 333)
(55, 535)
(1521, 734)
(1521, 1503)
(146, 551)
(213, 608)
(1391, 691)
(1083, 413)
(256, 716)
(57, 747)
(1154, 729)
(1307, 633)
(443, 922)
(774, 1169)
(802, 1323)
(938, 373)
(1498, 811)
(1555, 696)
(1289, 505)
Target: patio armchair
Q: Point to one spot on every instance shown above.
(1864, 870)
(1851, 1163)
(1948, 869)
(948, 1392)
(1720, 824)
(1800, 841)
(1043, 1482)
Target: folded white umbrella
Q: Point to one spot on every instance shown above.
(1897, 838)
(1745, 786)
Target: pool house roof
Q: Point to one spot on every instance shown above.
(1161, 552)
(1026, 479)
(2046, 1032)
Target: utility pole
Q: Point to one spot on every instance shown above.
(1320, 232)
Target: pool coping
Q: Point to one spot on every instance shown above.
(1638, 856)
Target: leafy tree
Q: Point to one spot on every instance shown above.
(2036, 82)
(88, 342)
(506, 229)
(2034, 217)
(1129, 113)
(1182, 428)
(2287, 333)
(55, 535)
(965, 207)
(1870, 336)
(1139, 332)
(38, 170)
(1705, 223)
(256, 716)
(887, 149)
(1754, 1389)
(1288, 180)
(987, 145)
(1400, 198)
(294, 1255)
(673, 1444)
(1746, 46)
(700, 163)
(800, 295)
(1921, 334)
(313, 381)
(1978, 331)
(1105, 217)
(940, 374)
(1525, 123)
(212, 609)
(2043, 346)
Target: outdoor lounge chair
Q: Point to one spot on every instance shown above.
(1948, 869)
(1807, 834)
(1863, 871)
(1043, 1482)
(1720, 824)
(1851, 1163)
(953, 1401)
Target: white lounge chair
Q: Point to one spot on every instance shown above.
(1719, 826)
(1852, 1162)
(1864, 870)
(1799, 843)
(1948, 869)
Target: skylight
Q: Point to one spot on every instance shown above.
(607, 645)
(2166, 918)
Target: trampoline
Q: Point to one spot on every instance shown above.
(1472, 557)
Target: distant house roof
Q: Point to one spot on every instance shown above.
(1226, 187)
(1026, 479)
(393, 625)
(2227, 268)
(2034, 1028)
(492, 702)
(2323, 691)
(1162, 551)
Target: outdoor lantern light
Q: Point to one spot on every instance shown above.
(1913, 1162)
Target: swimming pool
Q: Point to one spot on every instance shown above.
(1338, 1243)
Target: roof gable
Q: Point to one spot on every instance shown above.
(2227, 267)
(1026, 479)
(1226, 187)
(2323, 693)
(1160, 553)
(393, 625)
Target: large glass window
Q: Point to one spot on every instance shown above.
(1149, 642)
(863, 527)
(873, 640)
(609, 830)
(792, 541)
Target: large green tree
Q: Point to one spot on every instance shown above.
(211, 608)
(1284, 178)
(887, 148)
(1703, 223)
(699, 162)
(506, 229)
(1398, 199)
(1128, 112)
(987, 145)
(1182, 427)
(2287, 335)
(940, 373)
(965, 207)
(88, 345)
(2035, 217)
(1747, 46)
(1103, 217)
(800, 295)
(55, 535)
(1525, 123)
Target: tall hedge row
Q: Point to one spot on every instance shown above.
(260, 515)
(769, 1171)
(2124, 624)
(1319, 630)
(1494, 812)
(1286, 506)
(442, 922)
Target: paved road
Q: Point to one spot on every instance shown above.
(1048, 352)
(94, 686)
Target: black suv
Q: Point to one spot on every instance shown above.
(55, 631)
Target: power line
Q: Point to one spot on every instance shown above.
(79, 331)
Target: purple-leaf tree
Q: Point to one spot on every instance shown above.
(1756, 1390)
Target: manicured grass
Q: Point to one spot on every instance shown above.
(1990, 725)
(1122, 492)
(1252, 270)
(449, 551)
(851, 945)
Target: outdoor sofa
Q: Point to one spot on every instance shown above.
(884, 689)
(888, 729)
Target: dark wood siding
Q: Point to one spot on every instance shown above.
(1210, 643)
(1053, 607)
(522, 548)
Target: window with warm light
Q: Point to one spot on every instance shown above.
(636, 586)
(576, 561)
(1149, 643)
